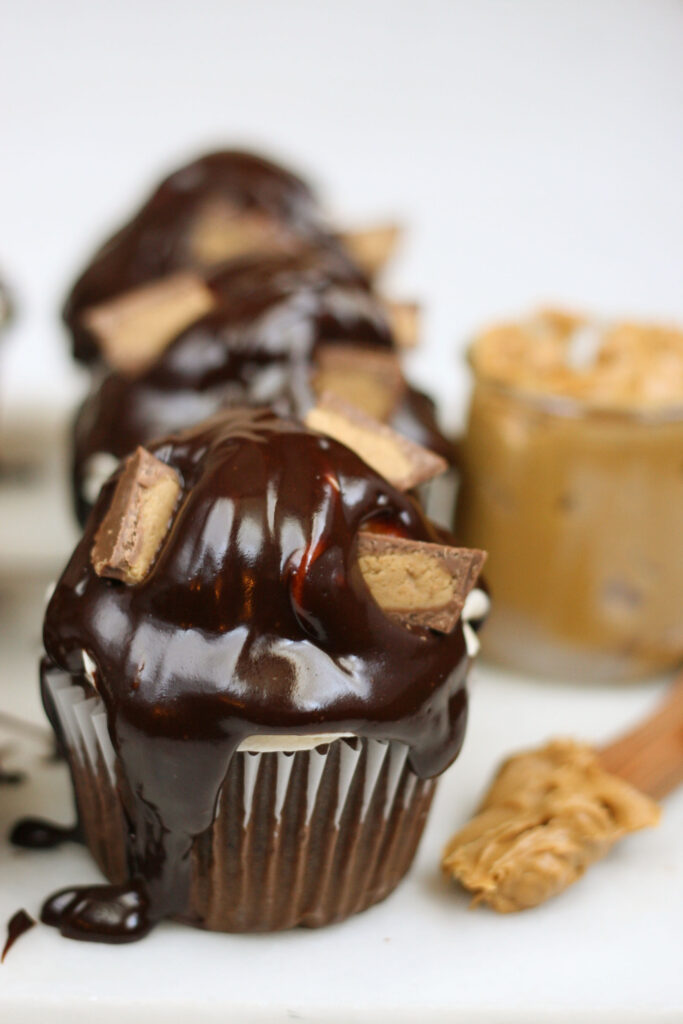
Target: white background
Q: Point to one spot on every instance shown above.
(534, 148)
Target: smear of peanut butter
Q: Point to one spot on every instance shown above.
(549, 815)
(623, 365)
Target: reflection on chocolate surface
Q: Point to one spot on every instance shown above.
(571, 479)
(253, 620)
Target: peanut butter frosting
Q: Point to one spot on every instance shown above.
(616, 365)
(549, 815)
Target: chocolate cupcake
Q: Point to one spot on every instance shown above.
(262, 330)
(225, 205)
(256, 661)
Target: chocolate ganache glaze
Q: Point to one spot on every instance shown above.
(253, 620)
(157, 241)
(255, 347)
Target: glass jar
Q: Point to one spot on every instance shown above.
(581, 511)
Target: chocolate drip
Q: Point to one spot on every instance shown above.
(154, 242)
(99, 913)
(254, 619)
(38, 834)
(18, 925)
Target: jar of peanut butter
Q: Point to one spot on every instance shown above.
(572, 480)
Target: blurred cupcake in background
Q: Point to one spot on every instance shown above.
(223, 206)
(177, 328)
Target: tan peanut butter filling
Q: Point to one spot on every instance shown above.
(549, 815)
(619, 365)
(371, 380)
(401, 461)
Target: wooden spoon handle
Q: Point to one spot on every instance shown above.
(650, 757)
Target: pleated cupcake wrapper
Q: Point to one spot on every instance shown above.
(303, 837)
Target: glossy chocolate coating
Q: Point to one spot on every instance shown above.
(254, 619)
(155, 242)
(255, 348)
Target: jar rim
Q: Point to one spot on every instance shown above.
(572, 407)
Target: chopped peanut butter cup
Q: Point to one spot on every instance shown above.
(403, 463)
(132, 531)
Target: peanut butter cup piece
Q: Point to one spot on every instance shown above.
(369, 378)
(372, 247)
(404, 318)
(402, 462)
(416, 582)
(134, 328)
(5, 306)
(138, 519)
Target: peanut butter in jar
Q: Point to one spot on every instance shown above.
(572, 479)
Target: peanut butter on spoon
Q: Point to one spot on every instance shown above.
(551, 813)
